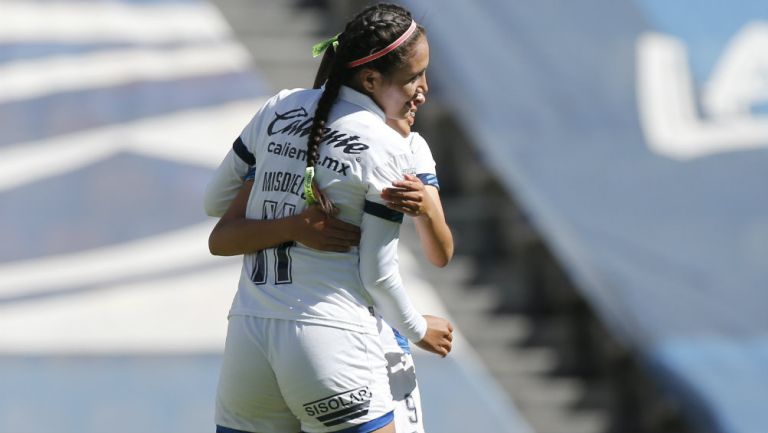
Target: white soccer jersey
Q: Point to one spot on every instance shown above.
(223, 189)
(359, 156)
(423, 160)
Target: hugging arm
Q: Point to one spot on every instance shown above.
(411, 197)
(380, 274)
(234, 234)
(225, 184)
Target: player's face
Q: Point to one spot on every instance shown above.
(401, 92)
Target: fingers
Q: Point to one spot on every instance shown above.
(443, 352)
(439, 337)
(342, 236)
(392, 194)
(441, 349)
(444, 348)
(338, 226)
(447, 343)
(411, 183)
(407, 196)
(408, 208)
(412, 178)
(402, 200)
(326, 233)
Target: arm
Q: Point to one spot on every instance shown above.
(238, 163)
(433, 231)
(380, 275)
(225, 184)
(234, 234)
(422, 202)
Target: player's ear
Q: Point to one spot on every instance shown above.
(370, 80)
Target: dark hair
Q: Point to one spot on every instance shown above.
(371, 30)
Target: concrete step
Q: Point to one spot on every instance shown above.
(280, 49)
(271, 18)
(286, 76)
(279, 35)
(544, 420)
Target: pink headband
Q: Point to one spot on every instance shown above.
(399, 41)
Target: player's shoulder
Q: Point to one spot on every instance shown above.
(385, 142)
(296, 97)
(364, 133)
(417, 142)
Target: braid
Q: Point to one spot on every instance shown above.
(323, 110)
(371, 30)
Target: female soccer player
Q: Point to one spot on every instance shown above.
(417, 198)
(302, 338)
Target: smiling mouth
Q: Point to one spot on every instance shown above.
(411, 110)
(413, 106)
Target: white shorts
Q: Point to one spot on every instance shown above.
(282, 376)
(402, 381)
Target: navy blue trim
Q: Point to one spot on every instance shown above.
(349, 417)
(251, 174)
(333, 416)
(429, 179)
(240, 150)
(369, 426)
(222, 429)
(382, 211)
(402, 341)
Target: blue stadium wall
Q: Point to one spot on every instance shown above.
(634, 134)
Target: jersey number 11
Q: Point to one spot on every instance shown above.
(282, 253)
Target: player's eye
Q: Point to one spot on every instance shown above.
(416, 77)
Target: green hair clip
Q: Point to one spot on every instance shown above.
(313, 195)
(320, 47)
(309, 194)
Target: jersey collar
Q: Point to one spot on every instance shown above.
(353, 96)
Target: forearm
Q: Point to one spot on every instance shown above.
(436, 240)
(434, 234)
(379, 272)
(241, 236)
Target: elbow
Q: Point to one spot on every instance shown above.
(374, 281)
(442, 257)
(215, 247)
(368, 279)
(448, 256)
(442, 260)
(212, 207)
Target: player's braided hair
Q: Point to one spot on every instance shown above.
(370, 31)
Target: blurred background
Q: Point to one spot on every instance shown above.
(603, 166)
